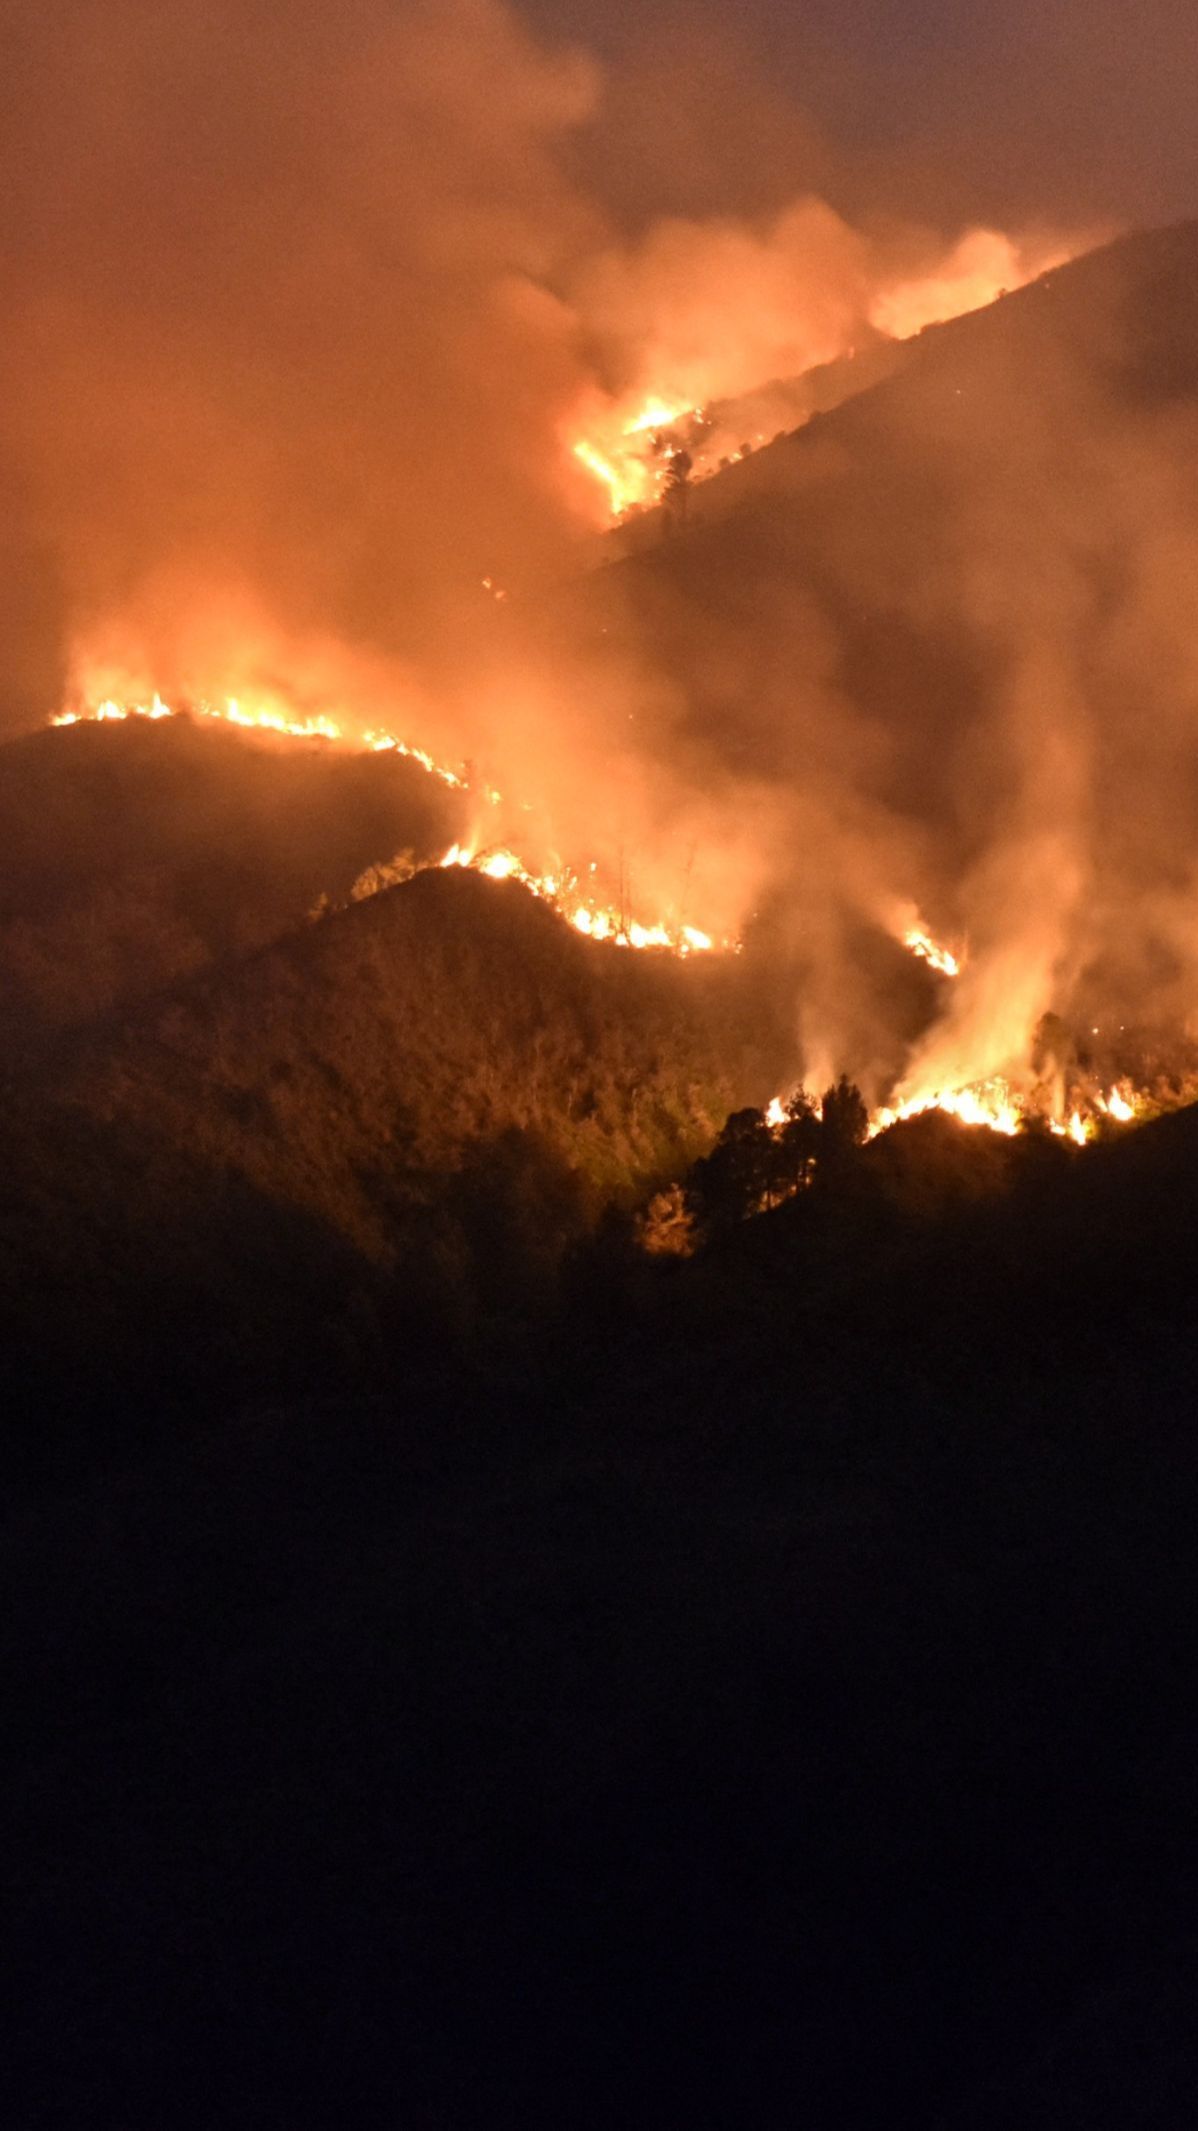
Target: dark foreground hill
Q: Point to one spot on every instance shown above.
(385, 1127)
(771, 1697)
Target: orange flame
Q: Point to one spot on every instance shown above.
(632, 475)
(939, 958)
(594, 920)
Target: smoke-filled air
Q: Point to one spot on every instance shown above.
(756, 606)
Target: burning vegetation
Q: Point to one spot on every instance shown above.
(653, 440)
(578, 902)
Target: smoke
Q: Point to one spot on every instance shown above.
(956, 628)
(279, 323)
(302, 305)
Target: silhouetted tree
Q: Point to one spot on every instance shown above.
(738, 1177)
(845, 1118)
(677, 492)
(797, 1142)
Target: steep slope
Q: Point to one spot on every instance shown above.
(839, 564)
(1130, 306)
(937, 647)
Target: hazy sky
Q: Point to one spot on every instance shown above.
(1011, 106)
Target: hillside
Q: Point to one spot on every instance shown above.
(1128, 307)
(441, 1013)
(936, 645)
(133, 855)
(836, 571)
(425, 1097)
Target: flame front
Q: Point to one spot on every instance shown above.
(1002, 1108)
(989, 1102)
(629, 455)
(995, 1104)
(594, 920)
(589, 916)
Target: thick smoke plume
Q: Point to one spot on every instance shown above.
(305, 310)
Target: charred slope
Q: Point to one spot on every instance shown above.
(132, 855)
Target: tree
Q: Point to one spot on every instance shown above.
(845, 1118)
(737, 1178)
(797, 1142)
(676, 495)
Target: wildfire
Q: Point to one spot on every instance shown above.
(594, 920)
(996, 1105)
(631, 469)
(762, 332)
(993, 1104)
(989, 1102)
(266, 718)
(586, 913)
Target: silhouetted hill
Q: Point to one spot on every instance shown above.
(397, 1032)
(135, 854)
